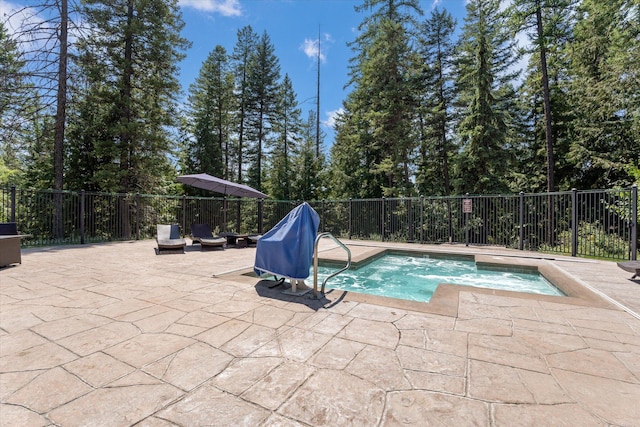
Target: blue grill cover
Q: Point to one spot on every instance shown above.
(287, 249)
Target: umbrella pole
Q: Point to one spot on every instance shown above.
(224, 214)
(238, 217)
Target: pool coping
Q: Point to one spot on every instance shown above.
(445, 299)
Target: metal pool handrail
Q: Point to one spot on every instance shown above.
(315, 263)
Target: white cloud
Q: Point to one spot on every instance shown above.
(15, 15)
(5, 8)
(22, 23)
(223, 7)
(332, 117)
(310, 48)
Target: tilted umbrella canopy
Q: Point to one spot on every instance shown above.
(222, 186)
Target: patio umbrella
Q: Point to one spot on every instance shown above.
(222, 186)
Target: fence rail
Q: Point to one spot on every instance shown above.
(594, 223)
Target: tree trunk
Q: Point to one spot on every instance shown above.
(58, 138)
(547, 118)
(125, 135)
(547, 99)
(127, 148)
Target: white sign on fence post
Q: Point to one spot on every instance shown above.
(467, 205)
(467, 208)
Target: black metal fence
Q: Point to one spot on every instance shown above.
(598, 223)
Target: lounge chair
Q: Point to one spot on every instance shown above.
(169, 239)
(201, 233)
(10, 244)
(631, 267)
(252, 239)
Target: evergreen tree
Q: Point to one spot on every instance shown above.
(435, 116)
(350, 157)
(531, 16)
(91, 154)
(263, 84)
(532, 149)
(242, 53)
(12, 108)
(308, 180)
(286, 126)
(129, 61)
(375, 138)
(605, 91)
(210, 109)
(485, 93)
(39, 172)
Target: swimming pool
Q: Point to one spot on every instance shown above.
(416, 277)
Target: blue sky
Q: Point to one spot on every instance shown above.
(293, 26)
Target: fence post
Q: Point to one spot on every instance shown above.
(382, 222)
(82, 213)
(323, 223)
(466, 225)
(184, 213)
(137, 216)
(350, 216)
(13, 203)
(574, 222)
(634, 222)
(421, 219)
(521, 221)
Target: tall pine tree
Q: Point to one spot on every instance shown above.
(485, 93)
(309, 172)
(436, 103)
(375, 136)
(210, 109)
(129, 63)
(543, 133)
(243, 51)
(263, 85)
(13, 109)
(605, 93)
(286, 127)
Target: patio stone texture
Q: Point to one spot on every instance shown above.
(114, 335)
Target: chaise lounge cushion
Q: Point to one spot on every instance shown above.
(201, 233)
(169, 239)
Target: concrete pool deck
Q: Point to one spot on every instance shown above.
(115, 335)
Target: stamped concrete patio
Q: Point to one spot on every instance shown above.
(115, 335)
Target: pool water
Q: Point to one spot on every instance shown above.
(417, 277)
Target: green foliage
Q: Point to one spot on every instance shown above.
(286, 126)
(604, 90)
(14, 107)
(376, 128)
(545, 24)
(309, 181)
(592, 239)
(39, 156)
(209, 116)
(426, 114)
(484, 80)
(128, 64)
(436, 148)
(241, 58)
(262, 95)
